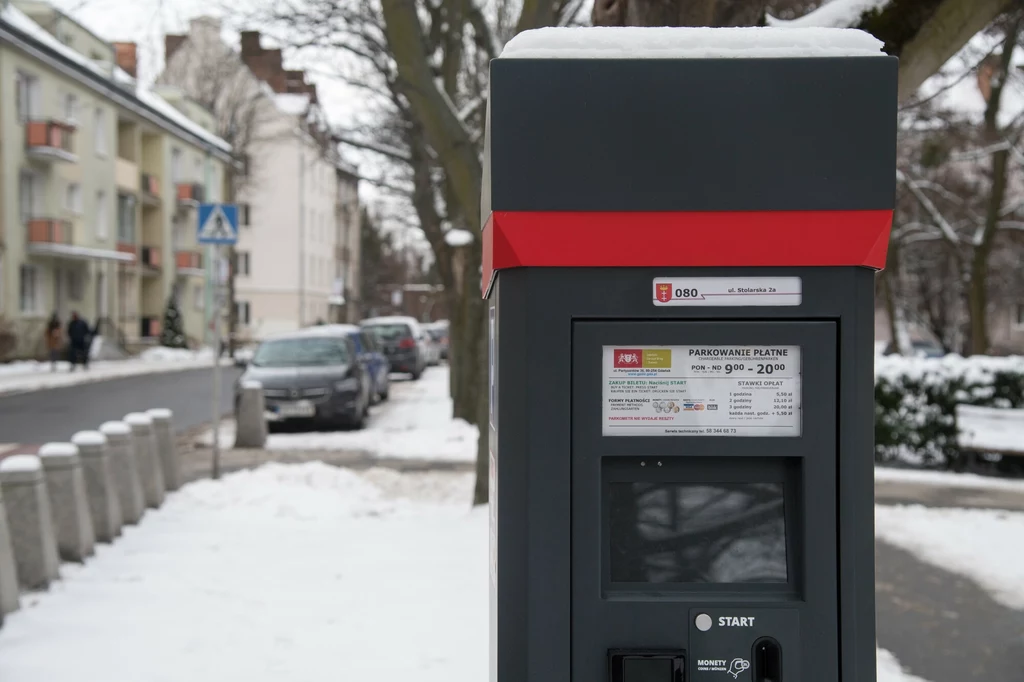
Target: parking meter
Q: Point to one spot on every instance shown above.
(679, 260)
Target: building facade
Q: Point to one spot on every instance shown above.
(99, 180)
(297, 258)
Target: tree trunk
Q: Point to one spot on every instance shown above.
(978, 295)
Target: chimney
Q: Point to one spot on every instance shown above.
(127, 56)
(171, 44)
(251, 43)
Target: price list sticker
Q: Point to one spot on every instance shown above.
(701, 391)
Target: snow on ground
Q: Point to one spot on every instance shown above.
(890, 670)
(977, 543)
(946, 479)
(415, 423)
(297, 572)
(20, 377)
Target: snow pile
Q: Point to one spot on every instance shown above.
(21, 463)
(291, 103)
(164, 354)
(458, 238)
(976, 543)
(89, 438)
(946, 479)
(890, 670)
(277, 574)
(834, 14)
(690, 43)
(415, 423)
(978, 369)
(19, 377)
(60, 450)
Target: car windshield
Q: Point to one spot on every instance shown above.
(389, 332)
(436, 333)
(312, 352)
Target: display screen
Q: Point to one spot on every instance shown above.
(697, 532)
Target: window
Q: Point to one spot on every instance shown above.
(126, 218)
(101, 132)
(242, 263)
(30, 193)
(28, 289)
(244, 212)
(28, 96)
(1018, 316)
(76, 285)
(70, 107)
(73, 198)
(102, 215)
(176, 165)
(242, 312)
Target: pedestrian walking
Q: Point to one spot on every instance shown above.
(54, 339)
(79, 338)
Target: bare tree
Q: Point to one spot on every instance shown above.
(423, 65)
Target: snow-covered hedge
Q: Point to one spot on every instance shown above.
(916, 399)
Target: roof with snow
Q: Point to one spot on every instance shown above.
(690, 43)
(111, 81)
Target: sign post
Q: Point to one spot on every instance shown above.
(217, 225)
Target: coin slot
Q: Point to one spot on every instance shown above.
(767, 658)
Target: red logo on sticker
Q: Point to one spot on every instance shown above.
(663, 292)
(627, 358)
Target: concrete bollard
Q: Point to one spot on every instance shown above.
(165, 446)
(151, 472)
(104, 505)
(125, 468)
(250, 422)
(31, 521)
(65, 484)
(8, 569)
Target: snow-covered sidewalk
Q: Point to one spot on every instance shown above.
(298, 572)
(22, 377)
(414, 423)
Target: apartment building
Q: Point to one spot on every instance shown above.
(99, 183)
(297, 256)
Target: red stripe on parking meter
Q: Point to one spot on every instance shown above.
(684, 239)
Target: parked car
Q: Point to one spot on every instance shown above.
(368, 352)
(311, 376)
(403, 341)
(439, 333)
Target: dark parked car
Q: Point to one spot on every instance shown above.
(403, 341)
(313, 376)
(369, 353)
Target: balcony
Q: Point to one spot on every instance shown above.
(126, 175)
(189, 193)
(49, 231)
(152, 258)
(189, 263)
(49, 141)
(150, 189)
(129, 249)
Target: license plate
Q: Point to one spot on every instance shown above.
(300, 408)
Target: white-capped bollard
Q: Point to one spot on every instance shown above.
(250, 422)
(30, 521)
(150, 470)
(125, 468)
(8, 569)
(166, 450)
(101, 492)
(65, 483)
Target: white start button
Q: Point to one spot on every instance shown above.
(703, 622)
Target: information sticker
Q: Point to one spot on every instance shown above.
(701, 391)
(727, 291)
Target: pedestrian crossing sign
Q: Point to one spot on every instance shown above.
(218, 224)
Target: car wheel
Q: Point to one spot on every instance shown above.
(417, 374)
(383, 395)
(359, 421)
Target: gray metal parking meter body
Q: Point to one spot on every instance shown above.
(679, 261)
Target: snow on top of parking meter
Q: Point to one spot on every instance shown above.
(690, 43)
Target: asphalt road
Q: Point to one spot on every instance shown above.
(56, 414)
